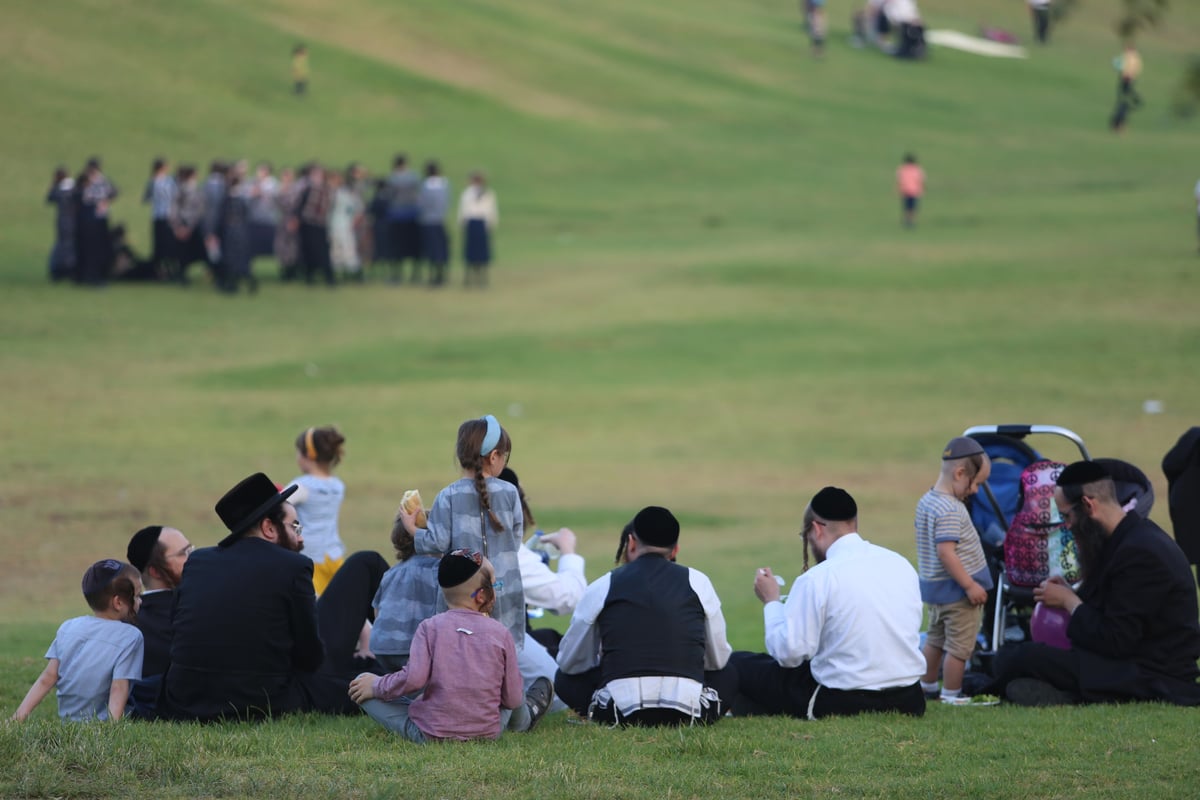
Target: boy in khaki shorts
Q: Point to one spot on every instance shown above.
(951, 565)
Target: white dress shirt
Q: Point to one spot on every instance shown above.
(855, 616)
(557, 592)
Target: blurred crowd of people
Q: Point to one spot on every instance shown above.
(320, 224)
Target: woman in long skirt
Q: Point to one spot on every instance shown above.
(479, 217)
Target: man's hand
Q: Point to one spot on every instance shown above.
(362, 688)
(1055, 592)
(766, 588)
(563, 539)
(976, 594)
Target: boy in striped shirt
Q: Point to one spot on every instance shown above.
(951, 565)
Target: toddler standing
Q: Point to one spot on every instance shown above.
(952, 568)
(318, 500)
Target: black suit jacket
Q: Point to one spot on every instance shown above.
(154, 621)
(1181, 465)
(245, 633)
(1137, 631)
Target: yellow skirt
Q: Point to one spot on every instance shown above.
(323, 572)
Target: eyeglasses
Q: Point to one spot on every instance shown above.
(297, 527)
(473, 555)
(497, 585)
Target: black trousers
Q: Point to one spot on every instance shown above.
(343, 608)
(577, 691)
(1041, 23)
(314, 253)
(764, 687)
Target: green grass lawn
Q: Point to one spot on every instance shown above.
(702, 299)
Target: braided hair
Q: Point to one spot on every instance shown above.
(470, 440)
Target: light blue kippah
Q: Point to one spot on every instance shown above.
(492, 437)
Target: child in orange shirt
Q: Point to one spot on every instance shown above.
(910, 183)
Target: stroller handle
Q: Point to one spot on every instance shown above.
(1021, 431)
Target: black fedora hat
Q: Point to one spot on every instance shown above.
(247, 503)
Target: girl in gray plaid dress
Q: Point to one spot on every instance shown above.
(480, 512)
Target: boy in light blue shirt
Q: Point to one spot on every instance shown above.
(93, 660)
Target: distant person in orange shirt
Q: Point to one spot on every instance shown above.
(910, 183)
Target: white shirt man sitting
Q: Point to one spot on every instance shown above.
(847, 640)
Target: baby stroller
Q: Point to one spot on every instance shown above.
(1017, 501)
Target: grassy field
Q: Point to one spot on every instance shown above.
(702, 299)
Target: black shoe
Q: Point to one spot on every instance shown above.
(538, 699)
(1034, 692)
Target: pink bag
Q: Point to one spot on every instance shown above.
(1038, 543)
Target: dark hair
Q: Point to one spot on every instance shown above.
(432, 168)
(60, 174)
(626, 532)
(507, 474)
(158, 164)
(123, 586)
(909, 158)
(276, 515)
(400, 160)
(323, 445)
(470, 440)
(402, 540)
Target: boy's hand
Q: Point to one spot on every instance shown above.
(362, 688)
(976, 594)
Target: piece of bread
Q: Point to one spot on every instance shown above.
(411, 503)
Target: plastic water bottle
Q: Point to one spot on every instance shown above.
(540, 546)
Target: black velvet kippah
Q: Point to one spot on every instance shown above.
(141, 546)
(656, 526)
(458, 567)
(100, 575)
(834, 504)
(1082, 472)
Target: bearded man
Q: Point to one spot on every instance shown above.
(1134, 631)
(246, 642)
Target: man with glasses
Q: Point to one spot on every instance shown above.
(847, 639)
(159, 553)
(246, 642)
(1133, 630)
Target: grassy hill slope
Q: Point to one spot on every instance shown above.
(702, 296)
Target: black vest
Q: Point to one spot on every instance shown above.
(652, 622)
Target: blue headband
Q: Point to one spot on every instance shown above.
(492, 437)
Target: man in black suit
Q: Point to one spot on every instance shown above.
(1181, 465)
(1133, 629)
(159, 553)
(246, 643)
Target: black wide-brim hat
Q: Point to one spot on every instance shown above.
(247, 503)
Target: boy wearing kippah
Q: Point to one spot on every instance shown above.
(466, 663)
(951, 565)
(93, 659)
